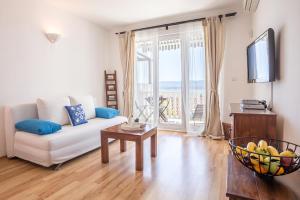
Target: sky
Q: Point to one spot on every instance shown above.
(170, 64)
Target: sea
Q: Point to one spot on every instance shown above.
(176, 85)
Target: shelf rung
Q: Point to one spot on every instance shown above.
(111, 89)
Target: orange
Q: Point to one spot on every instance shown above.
(263, 169)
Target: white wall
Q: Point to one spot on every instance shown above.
(283, 16)
(233, 81)
(31, 67)
(115, 64)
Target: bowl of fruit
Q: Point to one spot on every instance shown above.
(266, 157)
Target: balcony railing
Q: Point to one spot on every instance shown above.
(173, 104)
(170, 106)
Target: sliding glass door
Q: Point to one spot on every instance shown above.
(170, 78)
(145, 84)
(195, 82)
(170, 82)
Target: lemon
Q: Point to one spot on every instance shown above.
(273, 151)
(280, 171)
(251, 146)
(263, 144)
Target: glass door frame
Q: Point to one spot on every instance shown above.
(182, 126)
(185, 79)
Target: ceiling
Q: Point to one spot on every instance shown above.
(112, 13)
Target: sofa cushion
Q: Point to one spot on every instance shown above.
(54, 110)
(39, 127)
(76, 115)
(87, 103)
(107, 113)
(69, 135)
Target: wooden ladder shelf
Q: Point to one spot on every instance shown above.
(111, 89)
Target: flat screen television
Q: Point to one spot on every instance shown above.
(261, 58)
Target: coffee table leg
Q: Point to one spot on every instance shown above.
(123, 145)
(104, 149)
(139, 154)
(154, 145)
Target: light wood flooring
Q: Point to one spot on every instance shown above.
(186, 168)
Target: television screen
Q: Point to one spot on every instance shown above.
(261, 58)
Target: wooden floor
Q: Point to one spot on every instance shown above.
(187, 167)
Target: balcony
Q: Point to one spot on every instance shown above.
(170, 108)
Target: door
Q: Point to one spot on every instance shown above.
(145, 81)
(170, 82)
(170, 79)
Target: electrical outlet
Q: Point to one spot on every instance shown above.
(234, 79)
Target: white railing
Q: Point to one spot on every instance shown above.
(171, 106)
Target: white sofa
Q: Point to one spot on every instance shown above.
(47, 150)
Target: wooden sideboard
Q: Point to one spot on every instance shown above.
(260, 123)
(242, 183)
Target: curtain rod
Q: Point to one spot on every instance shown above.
(177, 23)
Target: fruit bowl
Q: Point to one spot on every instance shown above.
(266, 157)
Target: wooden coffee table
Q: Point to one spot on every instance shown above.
(137, 136)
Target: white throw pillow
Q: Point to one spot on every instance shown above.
(87, 103)
(54, 110)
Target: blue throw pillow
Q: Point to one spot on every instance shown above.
(107, 113)
(39, 127)
(76, 114)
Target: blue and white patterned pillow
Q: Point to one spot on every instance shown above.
(76, 115)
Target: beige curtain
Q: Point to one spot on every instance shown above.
(214, 49)
(127, 52)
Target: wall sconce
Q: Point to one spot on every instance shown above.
(52, 37)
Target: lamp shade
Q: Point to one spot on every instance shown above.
(52, 37)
